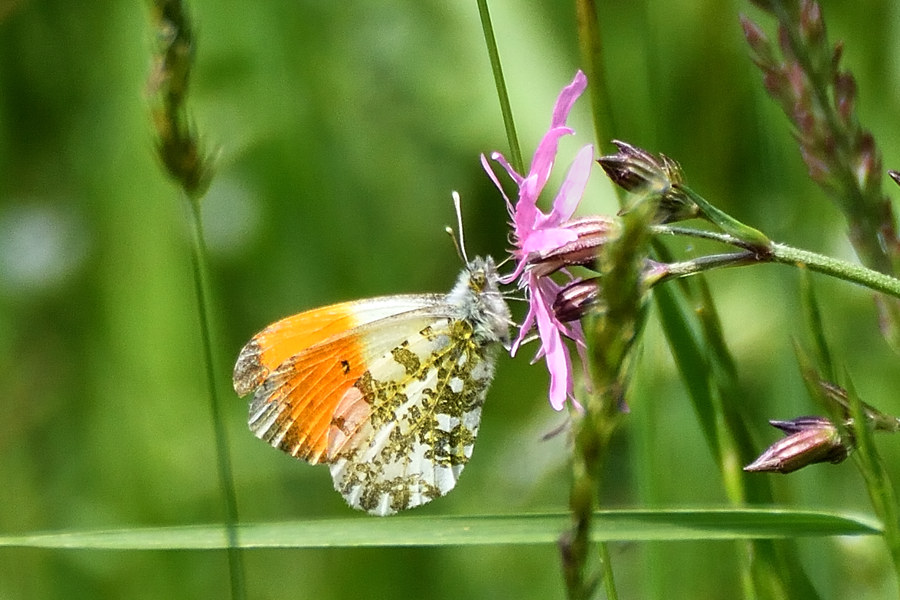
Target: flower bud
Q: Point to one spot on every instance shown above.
(636, 170)
(895, 175)
(576, 299)
(758, 42)
(591, 233)
(810, 440)
(811, 25)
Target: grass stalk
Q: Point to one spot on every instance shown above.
(182, 158)
(220, 433)
(515, 153)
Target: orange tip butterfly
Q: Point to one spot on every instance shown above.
(386, 391)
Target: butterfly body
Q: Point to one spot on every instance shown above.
(387, 391)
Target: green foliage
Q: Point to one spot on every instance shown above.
(613, 526)
(338, 135)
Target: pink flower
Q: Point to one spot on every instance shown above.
(537, 234)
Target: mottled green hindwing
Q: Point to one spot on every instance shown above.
(425, 398)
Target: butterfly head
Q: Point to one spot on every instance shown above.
(477, 293)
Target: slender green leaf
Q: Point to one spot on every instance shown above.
(878, 482)
(691, 361)
(710, 376)
(617, 525)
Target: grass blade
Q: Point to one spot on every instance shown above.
(544, 528)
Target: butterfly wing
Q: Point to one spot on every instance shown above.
(387, 391)
(302, 366)
(283, 339)
(422, 404)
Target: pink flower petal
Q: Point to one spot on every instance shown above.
(545, 154)
(527, 212)
(556, 354)
(527, 324)
(505, 164)
(547, 239)
(572, 189)
(536, 232)
(567, 98)
(490, 173)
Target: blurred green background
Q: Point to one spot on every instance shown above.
(340, 130)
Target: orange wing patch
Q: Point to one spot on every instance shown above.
(300, 378)
(296, 406)
(283, 339)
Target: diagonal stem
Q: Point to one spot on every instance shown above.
(514, 152)
(787, 255)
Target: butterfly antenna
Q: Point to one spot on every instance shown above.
(461, 245)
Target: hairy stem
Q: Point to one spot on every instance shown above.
(780, 253)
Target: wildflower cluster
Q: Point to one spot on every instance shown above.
(624, 257)
(545, 246)
(545, 242)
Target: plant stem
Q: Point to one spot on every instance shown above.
(700, 233)
(610, 339)
(180, 152)
(784, 254)
(592, 64)
(707, 263)
(847, 271)
(878, 483)
(609, 582)
(515, 154)
(223, 455)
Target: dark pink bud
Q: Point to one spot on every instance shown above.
(836, 57)
(784, 42)
(636, 170)
(810, 440)
(845, 96)
(775, 83)
(818, 168)
(868, 162)
(758, 42)
(812, 27)
(591, 232)
(576, 299)
(805, 122)
(798, 81)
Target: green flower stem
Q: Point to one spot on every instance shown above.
(707, 263)
(610, 339)
(515, 154)
(752, 237)
(847, 271)
(226, 477)
(592, 60)
(784, 254)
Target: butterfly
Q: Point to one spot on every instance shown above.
(387, 391)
